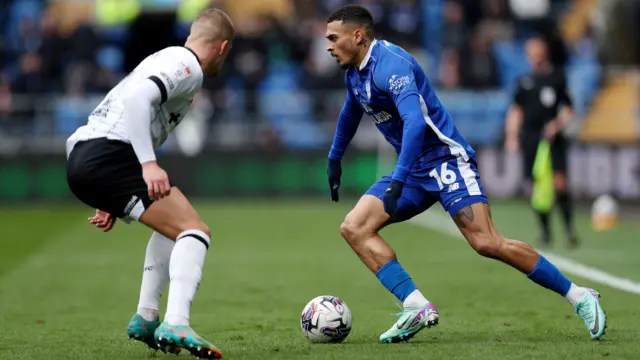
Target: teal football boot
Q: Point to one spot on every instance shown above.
(591, 312)
(186, 338)
(411, 322)
(143, 331)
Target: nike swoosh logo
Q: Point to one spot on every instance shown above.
(400, 326)
(596, 327)
(179, 333)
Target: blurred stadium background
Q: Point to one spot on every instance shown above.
(276, 104)
(252, 152)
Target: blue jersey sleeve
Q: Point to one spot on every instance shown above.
(395, 76)
(348, 122)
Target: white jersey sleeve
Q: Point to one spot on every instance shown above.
(137, 117)
(177, 73)
(175, 80)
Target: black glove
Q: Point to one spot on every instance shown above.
(391, 196)
(335, 172)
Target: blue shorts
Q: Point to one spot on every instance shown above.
(454, 183)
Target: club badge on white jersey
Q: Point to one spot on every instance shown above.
(177, 72)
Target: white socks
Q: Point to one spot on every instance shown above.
(185, 271)
(155, 275)
(575, 294)
(415, 300)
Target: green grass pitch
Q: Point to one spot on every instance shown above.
(67, 290)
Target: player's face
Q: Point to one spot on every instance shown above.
(537, 54)
(221, 52)
(343, 41)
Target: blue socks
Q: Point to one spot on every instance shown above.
(548, 276)
(400, 284)
(396, 280)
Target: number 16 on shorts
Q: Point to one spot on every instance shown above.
(445, 177)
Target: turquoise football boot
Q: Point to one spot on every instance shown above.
(186, 338)
(591, 312)
(143, 331)
(411, 322)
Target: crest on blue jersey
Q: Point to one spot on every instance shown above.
(398, 84)
(355, 91)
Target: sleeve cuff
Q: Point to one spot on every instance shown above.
(335, 154)
(161, 86)
(401, 174)
(144, 159)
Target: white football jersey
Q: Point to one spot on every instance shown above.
(177, 72)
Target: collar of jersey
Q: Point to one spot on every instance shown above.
(194, 53)
(365, 61)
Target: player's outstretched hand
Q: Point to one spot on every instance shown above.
(157, 180)
(335, 172)
(103, 220)
(391, 196)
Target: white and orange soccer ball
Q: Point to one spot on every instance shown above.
(326, 319)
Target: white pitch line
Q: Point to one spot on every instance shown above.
(445, 225)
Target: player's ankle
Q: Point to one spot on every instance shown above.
(178, 320)
(415, 300)
(148, 314)
(575, 294)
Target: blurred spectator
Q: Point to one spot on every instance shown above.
(5, 99)
(404, 22)
(530, 15)
(29, 39)
(478, 65)
(31, 79)
(449, 77)
(495, 24)
(584, 49)
(321, 72)
(249, 60)
(83, 43)
(454, 28)
(52, 49)
(29, 84)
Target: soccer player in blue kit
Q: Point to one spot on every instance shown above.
(435, 164)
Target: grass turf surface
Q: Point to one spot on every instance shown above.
(67, 291)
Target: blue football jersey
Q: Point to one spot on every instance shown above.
(393, 89)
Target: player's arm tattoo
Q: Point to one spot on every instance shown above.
(465, 213)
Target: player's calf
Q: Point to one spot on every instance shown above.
(475, 223)
(174, 217)
(360, 230)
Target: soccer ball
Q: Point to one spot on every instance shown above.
(326, 319)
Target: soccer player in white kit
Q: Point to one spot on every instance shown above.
(112, 167)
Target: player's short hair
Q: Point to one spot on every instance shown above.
(213, 24)
(354, 14)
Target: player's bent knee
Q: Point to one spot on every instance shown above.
(196, 225)
(354, 231)
(204, 228)
(487, 244)
(349, 230)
